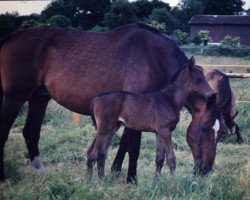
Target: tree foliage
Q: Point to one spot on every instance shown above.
(222, 7)
(59, 21)
(8, 23)
(121, 12)
(108, 14)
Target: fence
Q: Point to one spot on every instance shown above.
(218, 51)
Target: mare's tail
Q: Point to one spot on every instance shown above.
(2, 42)
(91, 111)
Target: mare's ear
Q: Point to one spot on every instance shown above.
(211, 100)
(235, 114)
(191, 63)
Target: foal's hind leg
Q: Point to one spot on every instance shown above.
(159, 158)
(237, 132)
(8, 114)
(165, 136)
(98, 150)
(31, 131)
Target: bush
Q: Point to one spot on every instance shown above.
(181, 37)
(201, 37)
(59, 21)
(30, 24)
(230, 41)
(213, 50)
(159, 26)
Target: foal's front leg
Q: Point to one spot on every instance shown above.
(165, 136)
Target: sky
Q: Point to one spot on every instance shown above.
(26, 7)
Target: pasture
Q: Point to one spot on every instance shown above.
(63, 147)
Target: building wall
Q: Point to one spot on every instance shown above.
(218, 32)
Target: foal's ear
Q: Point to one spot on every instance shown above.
(191, 63)
(211, 100)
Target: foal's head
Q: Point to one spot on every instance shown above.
(203, 133)
(194, 80)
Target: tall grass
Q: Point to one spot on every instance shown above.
(63, 147)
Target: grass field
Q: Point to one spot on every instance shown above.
(63, 147)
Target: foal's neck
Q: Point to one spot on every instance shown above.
(177, 92)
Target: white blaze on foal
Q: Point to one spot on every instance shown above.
(216, 128)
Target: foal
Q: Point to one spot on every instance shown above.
(155, 112)
(219, 83)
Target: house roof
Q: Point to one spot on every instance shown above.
(220, 19)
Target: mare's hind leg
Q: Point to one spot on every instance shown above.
(123, 149)
(31, 131)
(11, 107)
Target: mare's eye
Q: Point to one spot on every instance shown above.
(198, 80)
(204, 128)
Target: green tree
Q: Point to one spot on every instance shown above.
(90, 13)
(145, 7)
(9, 22)
(163, 15)
(184, 11)
(222, 7)
(121, 12)
(59, 21)
(60, 7)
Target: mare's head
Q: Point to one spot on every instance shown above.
(194, 80)
(203, 133)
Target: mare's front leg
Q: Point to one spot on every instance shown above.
(130, 142)
(165, 136)
(10, 108)
(31, 131)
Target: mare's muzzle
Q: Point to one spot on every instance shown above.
(210, 94)
(201, 168)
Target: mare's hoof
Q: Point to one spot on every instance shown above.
(37, 165)
(240, 140)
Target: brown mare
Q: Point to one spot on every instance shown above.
(154, 112)
(219, 82)
(204, 132)
(72, 67)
